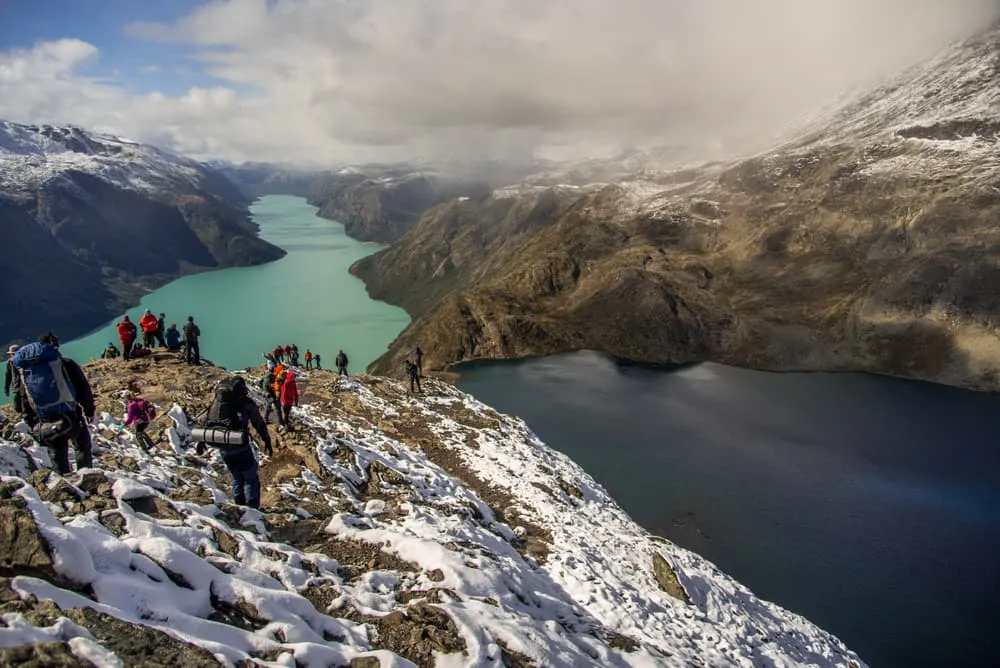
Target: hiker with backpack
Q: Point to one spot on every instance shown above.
(413, 373)
(341, 361)
(227, 427)
(149, 325)
(126, 334)
(60, 400)
(140, 413)
(289, 397)
(192, 354)
(272, 402)
(173, 338)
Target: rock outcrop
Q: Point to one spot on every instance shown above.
(868, 242)
(93, 222)
(396, 530)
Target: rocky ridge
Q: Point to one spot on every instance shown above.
(397, 531)
(92, 222)
(867, 242)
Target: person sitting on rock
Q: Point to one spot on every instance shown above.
(413, 373)
(140, 351)
(149, 325)
(140, 413)
(111, 352)
(172, 338)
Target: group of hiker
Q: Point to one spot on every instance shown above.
(155, 333)
(55, 400)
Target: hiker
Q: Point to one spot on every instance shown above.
(227, 423)
(418, 359)
(413, 373)
(341, 362)
(192, 355)
(160, 329)
(140, 351)
(111, 352)
(276, 353)
(287, 354)
(289, 396)
(12, 384)
(126, 334)
(309, 359)
(319, 362)
(60, 400)
(271, 397)
(149, 326)
(10, 372)
(140, 413)
(173, 338)
(269, 362)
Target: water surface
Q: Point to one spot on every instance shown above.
(870, 505)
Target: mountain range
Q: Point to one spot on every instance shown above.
(92, 222)
(867, 241)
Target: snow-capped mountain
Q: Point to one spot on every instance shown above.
(395, 531)
(92, 221)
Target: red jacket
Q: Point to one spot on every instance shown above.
(126, 331)
(289, 391)
(149, 323)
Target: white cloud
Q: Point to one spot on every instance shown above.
(342, 80)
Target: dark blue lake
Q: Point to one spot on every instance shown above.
(870, 505)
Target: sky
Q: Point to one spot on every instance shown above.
(329, 82)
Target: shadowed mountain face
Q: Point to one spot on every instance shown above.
(92, 222)
(381, 204)
(867, 242)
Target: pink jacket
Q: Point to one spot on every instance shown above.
(139, 410)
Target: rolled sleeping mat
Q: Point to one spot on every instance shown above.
(217, 436)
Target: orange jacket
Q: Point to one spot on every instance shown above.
(289, 391)
(149, 323)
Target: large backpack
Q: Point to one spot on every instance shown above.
(44, 381)
(224, 412)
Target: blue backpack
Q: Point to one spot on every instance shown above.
(44, 381)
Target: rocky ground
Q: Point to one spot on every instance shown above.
(396, 530)
(867, 242)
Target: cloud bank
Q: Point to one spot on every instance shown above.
(352, 80)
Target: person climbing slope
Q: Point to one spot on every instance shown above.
(192, 353)
(61, 400)
(149, 325)
(289, 397)
(126, 334)
(140, 413)
(227, 427)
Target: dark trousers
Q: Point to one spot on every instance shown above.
(309, 363)
(191, 353)
(272, 403)
(420, 365)
(145, 442)
(159, 338)
(79, 436)
(127, 348)
(342, 371)
(415, 380)
(286, 412)
(149, 339)
(243, 468)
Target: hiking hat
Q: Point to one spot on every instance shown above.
(147, 311)
(12, 350)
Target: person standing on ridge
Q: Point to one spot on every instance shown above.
(228, 420)
(319, 362)
(276, 353)
(418, 359)
(414, 375)
(149, 325)
(61, 400)
(295, 355)
(309, 359)
(289, 397)
(111, 352)
(192, 354)
(140, 413)
(160, 329)
(287, 352)
(126, 334)
(173, 338)
(341, 362)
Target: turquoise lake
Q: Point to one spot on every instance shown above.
(306, 298)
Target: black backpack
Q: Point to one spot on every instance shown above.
(224, 412)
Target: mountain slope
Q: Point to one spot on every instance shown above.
(256, 179)
(867, 242)
(106, 219)
(394, 527)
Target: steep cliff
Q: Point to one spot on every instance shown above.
(867, 242)
(395, 531)
(91, 222)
